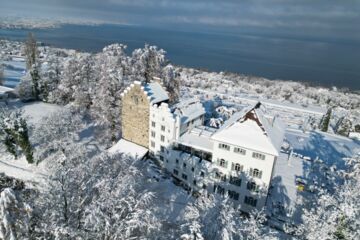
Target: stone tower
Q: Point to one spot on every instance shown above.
(135, 111)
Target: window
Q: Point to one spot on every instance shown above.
(222, 163)
(176, 172)
(177, 161)
(194, 182)
(237, 167)
(162, 148)
(153, 124)
(234, 195)
(184, 176)
(235, 181)
(224, 146)
(162, 128)
(239, 150)
(152, 144)
(250, 201)
(162, 138)
(258, 156)
(161, 158)
(184, 165)
(252, 186)
(153, 134)
(204, 186)
(217, 175)
(202, 174)
(255, 173)
(219, 190)
(192, 169)
(136, 100)
(223, 177)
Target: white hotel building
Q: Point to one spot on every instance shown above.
(237, 159)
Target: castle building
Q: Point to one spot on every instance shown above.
(236, 160)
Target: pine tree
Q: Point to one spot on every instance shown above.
(325, 121)
(343, 126)
(14, 133)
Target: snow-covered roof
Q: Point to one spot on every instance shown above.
(156, 92)
(251, 129)
(199, 138)
(4, 89)
(188, 110)
(128, 148)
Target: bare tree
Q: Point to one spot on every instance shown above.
(2, 77)
(31, 51)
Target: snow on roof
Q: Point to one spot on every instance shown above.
(251, 129)
(5, 89)
(156, 92)
(128, 148)
(199, 138)
(189, 109)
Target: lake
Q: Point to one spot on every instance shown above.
(320, 62)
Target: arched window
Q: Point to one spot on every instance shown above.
(252, 186)
(238, 167)
(222, 162)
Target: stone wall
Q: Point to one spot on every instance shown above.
(135, 116)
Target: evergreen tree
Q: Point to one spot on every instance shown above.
(343, 126)
(325, 121)
(14, 134)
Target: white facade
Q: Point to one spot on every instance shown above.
(236, 160)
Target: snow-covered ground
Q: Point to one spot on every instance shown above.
(309, 149)
(19, 168)
(13, 71)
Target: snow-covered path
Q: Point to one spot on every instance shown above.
(20, 169)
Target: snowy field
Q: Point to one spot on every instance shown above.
(14, 70)
(19, 168)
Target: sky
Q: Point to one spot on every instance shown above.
(322, 19)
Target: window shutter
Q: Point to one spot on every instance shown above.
(260, 174)
(241, 168)
(232, 166)
(226, 164)
(251, 172)
(218, 162)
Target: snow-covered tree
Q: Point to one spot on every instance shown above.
(343, 126)
(147, 63)
(325, 121)
(171, 82)
(14, 216)
(335, 215)
(14, 134)
(84, 89)
(25, 88)
(216, 122)
(106, 103)
(50, 77)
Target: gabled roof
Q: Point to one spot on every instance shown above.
(253, 130)
(156, 92)
(188, 110)
(4, 89)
